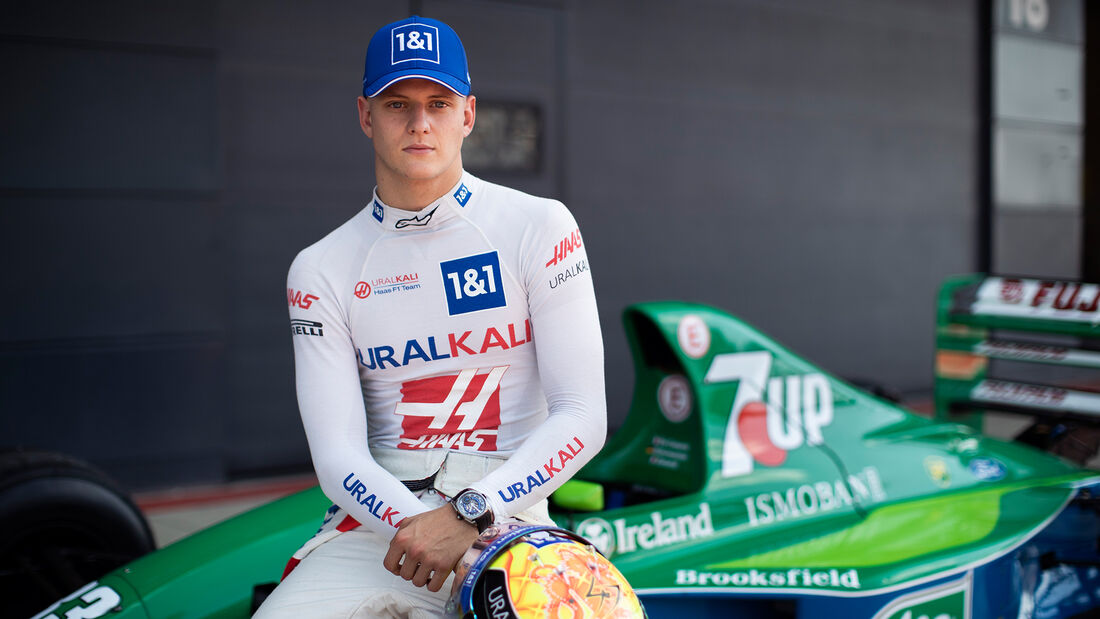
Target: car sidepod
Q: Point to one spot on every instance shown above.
(760, 485)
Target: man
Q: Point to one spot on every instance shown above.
(448, 355)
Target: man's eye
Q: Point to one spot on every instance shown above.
(439, 104)
(396, 104)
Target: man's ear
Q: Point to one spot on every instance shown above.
(469, 115)
(364, 116)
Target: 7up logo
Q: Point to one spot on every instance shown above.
(797, 407)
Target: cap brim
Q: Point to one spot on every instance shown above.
(377, 86)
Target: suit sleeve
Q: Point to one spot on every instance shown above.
(333, 413)
(569, 351)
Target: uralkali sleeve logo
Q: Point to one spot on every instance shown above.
(544, 473)
(797, 408)
(451, 412)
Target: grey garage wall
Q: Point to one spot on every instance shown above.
(809, 166)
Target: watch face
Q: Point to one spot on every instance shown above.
(472, 504)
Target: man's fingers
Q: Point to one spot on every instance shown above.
(423, 575)
(392, 562)
(427, 546)
(438, 578)
(409, 568)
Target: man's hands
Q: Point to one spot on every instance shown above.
(432, 544)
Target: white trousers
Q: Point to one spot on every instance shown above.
(343, 577)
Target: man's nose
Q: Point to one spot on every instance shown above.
(418, 120)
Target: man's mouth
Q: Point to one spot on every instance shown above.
(418, 149)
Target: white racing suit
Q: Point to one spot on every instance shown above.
(460, 341)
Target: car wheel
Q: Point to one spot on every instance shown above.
(62, 524)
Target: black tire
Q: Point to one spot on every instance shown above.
(63, 524)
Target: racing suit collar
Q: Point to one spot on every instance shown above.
(458, 198)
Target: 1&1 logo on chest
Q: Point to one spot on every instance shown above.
(472, 283)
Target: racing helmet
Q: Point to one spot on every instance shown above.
(520, 570)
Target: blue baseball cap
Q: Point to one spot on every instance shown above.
(416, 47)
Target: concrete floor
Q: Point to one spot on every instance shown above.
(176, 513)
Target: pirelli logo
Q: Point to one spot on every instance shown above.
(306, 327)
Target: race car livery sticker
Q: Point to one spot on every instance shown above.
(693, 336)
(767, 579)
(674, 397)
(987, 469)
(958, 365)
(645, 532)
(472, 283)
(944, 601)
(1023, 394)
(90, 601)
(798, 407)
(1032, 298)
(667, 453)
(457, 411)
(937, 470)
(1028, 351)
(862, 487)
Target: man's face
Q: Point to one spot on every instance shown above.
(417, 127)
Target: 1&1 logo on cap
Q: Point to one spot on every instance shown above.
(414, 42)
(472, 283)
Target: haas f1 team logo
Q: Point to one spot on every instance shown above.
(451, 412)
(797, 408)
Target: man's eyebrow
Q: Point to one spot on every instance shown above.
(441, 95)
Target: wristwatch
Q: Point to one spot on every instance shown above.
(473, 507)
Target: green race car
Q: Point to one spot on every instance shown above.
(746, 482)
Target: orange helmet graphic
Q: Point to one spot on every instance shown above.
(520, 570)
